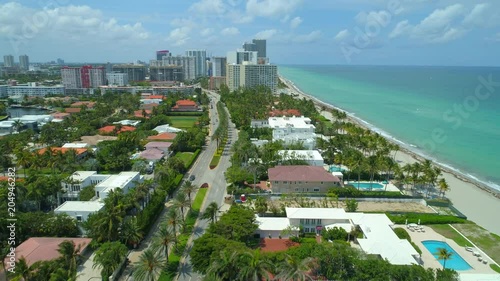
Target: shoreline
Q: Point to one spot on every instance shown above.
(463, 189)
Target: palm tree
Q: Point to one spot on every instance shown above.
(211, 212)
(444, 254)
(188, 188)
(149, 266)
(18, 125)
(23, 270)
(443, 186)
(172, 219)
(226, 267)
(69, 254)
(131, 232)
(181, 201)
(163, 238)
(292, 269)
(108, 257)
(35, 193)
(254, 267)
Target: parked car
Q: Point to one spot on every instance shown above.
(192, 177)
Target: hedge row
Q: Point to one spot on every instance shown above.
(403, 234)
(190, 113)
(193, 158)
(424, 218)
(352, 192)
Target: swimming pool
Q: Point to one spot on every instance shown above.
(335, 169)
(366, 185)
(456, 262)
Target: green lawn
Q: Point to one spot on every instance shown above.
(485, 240)
(450, 233)
(185, 157)
(198, 200)
(183, 122)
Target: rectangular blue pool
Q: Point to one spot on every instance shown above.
(366, 185)
(456, 262)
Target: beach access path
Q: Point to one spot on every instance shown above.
(468, 197)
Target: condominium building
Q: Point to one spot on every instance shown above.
(161, 54)
(33, 90)
(166, 73)
(240, 56)
(83, 77)
(260, 47)
(117, 79)
(3, 91)
(251, 75)
(24, 62)
(200, 61)
(188, 65)
(218, 66)
(8, 61)
(135, 72)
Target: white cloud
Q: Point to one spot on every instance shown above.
(383, 18)
(266, 34)
(494, 38)
(179, 36)
(295, 22)
(307, 38)
(438, 27)
(230, 31)
(206, 32)
(271, 8)
(208, 7)
(342, 35)
(71, 22)
(483, 15)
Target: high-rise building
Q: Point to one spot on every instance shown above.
(188, 65)
(8, 61)
(200, 61)
(117, 79)
(135, 72)
(166, 73)
(251, 75)
(83, 77)
(161, 54)
(239, 56)
(219, 66)
(249, 47)
(60, 61)
(260, 47)
(24, 62)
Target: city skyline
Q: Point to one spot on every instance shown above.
(360, 32)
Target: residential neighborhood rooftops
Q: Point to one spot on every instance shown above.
(71, 110)
(300, 173)
(316, 213)
(185, 103)
(127, 122)
(75, 145)
(296, 122)
(152, 154)
(117, 181)
(88, 104)
(163, 137)
(55, 150)
(155, 97)
(301, 154)
(82, 175)
(158, 144)
(45, 248)
(166, 129)
(267, 223)
(72, 206)
(110, 129)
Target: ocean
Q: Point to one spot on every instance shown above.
(448, 114)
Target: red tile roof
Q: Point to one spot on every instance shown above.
(138, 113)
(110, 129)
(300, 173)
(149, 105)
(89, 104)
(72, 110)
(60, 115)
(185, 103)
(163, 137)
(161, 97)
(276, 245)
(286, 112)
(79, 151)
(45, 248)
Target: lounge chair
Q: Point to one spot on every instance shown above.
(469, 249)
(485, 261)
(479, 258)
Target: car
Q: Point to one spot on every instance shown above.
(192, 177)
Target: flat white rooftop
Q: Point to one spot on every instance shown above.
(316, 213)
(75, 145)
(301, 154)
(295, 122)
(82, 175)
(117, 181)
(266, 223)
(86, 206)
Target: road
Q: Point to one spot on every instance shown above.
(203, 174)
(216, 179)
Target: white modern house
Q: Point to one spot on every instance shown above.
(378, 235)
(293, 129)
(311, 157)
(103, 183)
(80, 210)
(75, 145)
(166, 129)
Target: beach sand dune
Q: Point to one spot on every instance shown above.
(478, 202)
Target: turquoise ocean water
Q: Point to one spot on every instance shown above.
(449, 114)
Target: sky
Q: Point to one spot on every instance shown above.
(345, 32)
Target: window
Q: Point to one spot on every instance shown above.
(316, 189)
(313, 221)
(301, 221)
(78, 218)
(318, 221)
(296, 189)
(307, 221)
(285, 182)
(321, 182)
(306, 229)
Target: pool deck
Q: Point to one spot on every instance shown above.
(390, 186)
(429, 261)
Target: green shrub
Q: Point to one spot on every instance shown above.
(215, 161)
(402, 233)
(424, 218)
(495, 267)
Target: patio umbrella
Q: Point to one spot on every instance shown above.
(418, 221)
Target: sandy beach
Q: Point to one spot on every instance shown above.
(478, 202)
